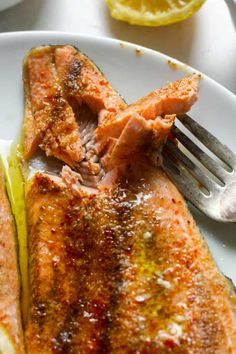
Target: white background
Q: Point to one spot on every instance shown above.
(207, 41)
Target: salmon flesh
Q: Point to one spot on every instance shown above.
(10, 314)
(116, 261)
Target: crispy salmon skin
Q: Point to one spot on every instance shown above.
(116, 262)
(10, 315)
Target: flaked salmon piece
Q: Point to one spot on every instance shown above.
(175, 98)
(49, 120)
(83, 81)
(136, 134)
(10, 314)
(139, 136)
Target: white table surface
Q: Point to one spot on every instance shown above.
(207, 41)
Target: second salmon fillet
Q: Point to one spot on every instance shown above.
(10, 313)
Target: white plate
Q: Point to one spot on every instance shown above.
(133, 71)
(5, 4)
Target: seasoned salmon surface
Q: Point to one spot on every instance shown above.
(116, 262)
(123, 271)
(10, 315)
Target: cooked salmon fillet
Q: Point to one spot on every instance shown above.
(118, 265)
(10, 315)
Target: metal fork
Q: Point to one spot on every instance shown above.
(208, 184)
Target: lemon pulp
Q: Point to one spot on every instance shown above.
(153, 12)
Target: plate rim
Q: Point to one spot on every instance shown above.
(161, 56)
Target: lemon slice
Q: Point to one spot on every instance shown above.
(6, 345)
(153, 12)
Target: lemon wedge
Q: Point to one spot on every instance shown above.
(153, 12)
(6, 345)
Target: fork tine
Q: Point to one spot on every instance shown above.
(200, 176)
(201, 156)
(185, 184)
(209, 140)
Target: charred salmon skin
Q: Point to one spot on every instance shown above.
(117, 264)
(10, 314)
